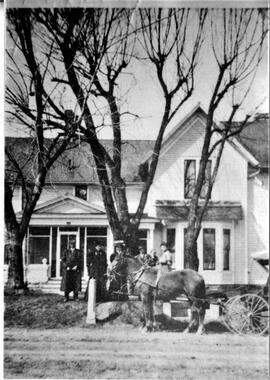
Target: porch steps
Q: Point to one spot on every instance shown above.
(53, 286)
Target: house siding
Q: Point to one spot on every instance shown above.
(230, 186)
(258, 225)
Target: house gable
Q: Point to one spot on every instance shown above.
(68, 205)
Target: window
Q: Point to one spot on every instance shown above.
(69, 229)
(171, 242)
(39, 245)
(143, 239)
(96, 235)
(226, 249)
(209, 243)
(189, 177)
(207, 179)
(81, 191)
(185, 245)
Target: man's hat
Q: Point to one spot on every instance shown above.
(163, 243)
(119, 243)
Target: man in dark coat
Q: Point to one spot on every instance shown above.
(97, 269)
(72, 260)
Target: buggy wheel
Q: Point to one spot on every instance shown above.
(247, 314)
(228, 315)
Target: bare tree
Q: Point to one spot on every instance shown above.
(96, 57)
(238, 37)
(32, 107)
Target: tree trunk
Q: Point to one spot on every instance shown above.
(191, 249)
(15, 261)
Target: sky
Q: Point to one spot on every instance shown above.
(145, 97)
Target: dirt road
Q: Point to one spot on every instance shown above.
(116, 352)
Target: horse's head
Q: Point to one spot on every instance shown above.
(115, 271)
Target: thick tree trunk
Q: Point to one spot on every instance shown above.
(191, 250)
(15, 261)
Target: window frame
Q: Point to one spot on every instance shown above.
(215, 249)
(230, 249)
(80, 186)
(184, 174)
(144, 240)
(207, 179)
(29, 235)
(197, 166)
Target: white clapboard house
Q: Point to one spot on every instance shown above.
(234, 227)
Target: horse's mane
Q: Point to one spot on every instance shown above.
(130, 257)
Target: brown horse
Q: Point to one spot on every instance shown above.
(150, 286)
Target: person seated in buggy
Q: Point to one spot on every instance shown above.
(119, 250)
(144, 258)
(122, 286)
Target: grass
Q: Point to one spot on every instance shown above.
(38, 310)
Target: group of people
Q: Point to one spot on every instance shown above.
(72, 261)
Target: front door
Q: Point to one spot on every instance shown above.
(64, 240)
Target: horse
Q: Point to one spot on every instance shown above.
(149, 284)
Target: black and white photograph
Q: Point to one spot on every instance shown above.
(136, 198)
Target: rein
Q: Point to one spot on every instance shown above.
(132, 277)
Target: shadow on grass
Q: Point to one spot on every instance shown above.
(37, 310)
(169, 324)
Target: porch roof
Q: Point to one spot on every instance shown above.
(216, 211)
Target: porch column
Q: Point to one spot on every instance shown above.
(85, 271)
(151, 239)
(110, 249)
(179, 247)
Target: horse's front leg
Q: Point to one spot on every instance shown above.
(155, 326)
(147, 301)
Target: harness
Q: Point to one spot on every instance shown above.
(134, 276)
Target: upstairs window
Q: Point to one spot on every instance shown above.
(209, 249)
(189, 178)
(207, 179)
(81, 192)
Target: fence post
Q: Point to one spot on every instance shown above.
(91, 305)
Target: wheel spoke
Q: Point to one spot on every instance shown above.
(260, 308)
(244, 324)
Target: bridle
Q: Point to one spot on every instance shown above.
(132, 278)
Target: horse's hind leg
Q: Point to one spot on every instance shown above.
(193, 319)
(201, 313)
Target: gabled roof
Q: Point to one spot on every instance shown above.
(196, 111)
(199, 113)
(255, 139)
(77, 165)
(68, 205)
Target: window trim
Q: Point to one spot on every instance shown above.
(184, 177)
(230, 251)
(27, 258)
(87, 193)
